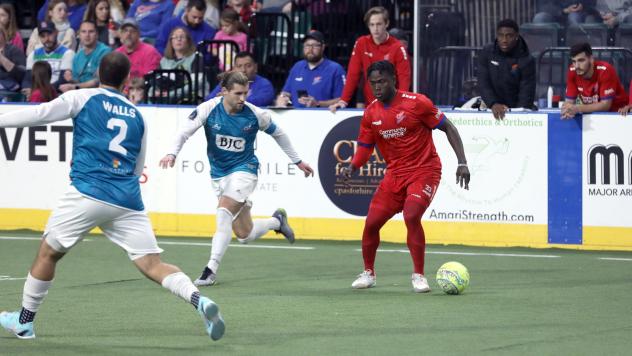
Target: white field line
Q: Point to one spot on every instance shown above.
(615, 259)
(162, 242)
(24, 238)
(473, 254)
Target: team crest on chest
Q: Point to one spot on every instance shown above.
(400, 117)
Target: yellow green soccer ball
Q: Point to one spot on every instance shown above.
(453, 278)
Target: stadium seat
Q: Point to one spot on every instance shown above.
(540, 36)
(447, 70)
(594, 33)
(623, 35)
(169, 86)
(209, 54)
(270, 41)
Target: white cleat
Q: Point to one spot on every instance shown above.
(420, 283)
(366, 279)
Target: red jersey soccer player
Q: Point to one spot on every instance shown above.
(400, 124)
(376, 46)
(595, 83)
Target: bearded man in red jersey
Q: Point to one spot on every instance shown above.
(400, 123)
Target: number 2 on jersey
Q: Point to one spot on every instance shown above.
(115, 144)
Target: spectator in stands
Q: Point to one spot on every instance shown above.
(591, 85)
(245, 8)
(99, 12)
(57, 55)
(150, 15)
(314, 81)
(211, 15)
(136, 92)
(506, 71)
(180, 51)
(232, 30)
(143, 57)
(192, 20)
(374, 47)
(614, 12)
(86, 62)
(261, 91)
(43, 90)
(12, 65)
(9, 23)
(76, 10)
(58, 15)
(567, 12)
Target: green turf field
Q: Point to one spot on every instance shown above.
(299, 302)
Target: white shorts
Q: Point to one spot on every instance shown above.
(238, 186)
(76, 215)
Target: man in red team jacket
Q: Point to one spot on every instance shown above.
(594, 83)
(377, 46)
(400, 123)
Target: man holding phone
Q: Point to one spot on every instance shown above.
(314, 81)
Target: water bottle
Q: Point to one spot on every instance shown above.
(549, 97)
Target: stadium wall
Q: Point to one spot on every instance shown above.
(537, 181)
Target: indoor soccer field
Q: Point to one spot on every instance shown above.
(279, 299)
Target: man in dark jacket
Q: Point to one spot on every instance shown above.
(506, 71)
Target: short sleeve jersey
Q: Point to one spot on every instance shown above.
(108, 138)
(402, 131)
(604, 85)
(231, 138)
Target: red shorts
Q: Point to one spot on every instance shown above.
(393, 191)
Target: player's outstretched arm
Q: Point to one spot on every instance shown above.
(168, 161)
(305, 168)
(462, 172)
(43, 114)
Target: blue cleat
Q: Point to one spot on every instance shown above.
(209, 311)
(285, 228)
(11, 322)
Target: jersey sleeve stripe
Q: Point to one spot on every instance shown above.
(440, 122)
(271, 128)
(367, 145)
(610, 97)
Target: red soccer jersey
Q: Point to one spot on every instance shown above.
(604, 85)
(402, 131)
(365, 52)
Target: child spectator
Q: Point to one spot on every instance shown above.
(42, 90)
(76, 10)
(231, 30)
(99, 12)
(136, 91)
(58, 14)
(9, 23)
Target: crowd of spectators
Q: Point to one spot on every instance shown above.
(72, 36)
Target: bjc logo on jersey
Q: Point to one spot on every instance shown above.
(230, 143)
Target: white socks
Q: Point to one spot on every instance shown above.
(259, 228)
(34, 293)
(180, 284)
(221, 239)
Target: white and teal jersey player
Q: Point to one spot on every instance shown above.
(231, 126)
(108, 154)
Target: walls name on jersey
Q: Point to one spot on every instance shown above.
(119, 109)
(230, 143)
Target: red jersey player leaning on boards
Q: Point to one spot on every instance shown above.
(400, 123)
(376, 46)
(591, 85)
